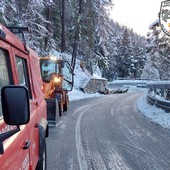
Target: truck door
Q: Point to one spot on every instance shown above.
(16, 153)
(24, 78)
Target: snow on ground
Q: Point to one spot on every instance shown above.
(81, 78)
(155, 114)
(76, 94)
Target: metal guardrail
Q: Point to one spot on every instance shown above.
(161, 89)
(165, 105)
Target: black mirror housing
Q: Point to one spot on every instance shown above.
(15, 105)
(68, 77)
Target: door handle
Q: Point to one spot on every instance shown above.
(26, 145)
(36, 125)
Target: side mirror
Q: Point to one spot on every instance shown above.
(67, 77)
(15, 105)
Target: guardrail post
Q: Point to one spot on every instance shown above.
(162, 92)
(154, 90)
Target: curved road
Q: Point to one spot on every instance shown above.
(107, 133)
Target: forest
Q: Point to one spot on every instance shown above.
(85, 30)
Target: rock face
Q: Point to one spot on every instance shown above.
(95, 85)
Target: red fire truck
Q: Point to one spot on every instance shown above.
(23, 117)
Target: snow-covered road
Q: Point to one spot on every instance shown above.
(107, 132)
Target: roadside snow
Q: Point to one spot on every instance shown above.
(76, 94)
(155, 114)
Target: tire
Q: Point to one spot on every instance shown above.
(42, 163)
(65, 106)
(60, 107)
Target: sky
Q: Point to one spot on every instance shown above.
(136, 14)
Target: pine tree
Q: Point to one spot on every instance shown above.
(158, 55)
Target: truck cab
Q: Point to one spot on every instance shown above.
(57, 79)
(23, 113)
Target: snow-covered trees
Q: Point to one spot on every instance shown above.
(158, 54)
(80, 27)
(129, 53)
(34, 14)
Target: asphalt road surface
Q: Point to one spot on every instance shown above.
(107, 133)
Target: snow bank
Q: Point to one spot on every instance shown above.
(155, 114)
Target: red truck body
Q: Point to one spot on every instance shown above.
(19, 65)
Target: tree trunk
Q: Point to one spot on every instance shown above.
(76, 37)
(47, 26)
(63, 42)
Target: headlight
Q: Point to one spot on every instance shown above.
(57, 79)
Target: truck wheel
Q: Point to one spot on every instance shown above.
(60, 108)
(42, 163)
(65, 106)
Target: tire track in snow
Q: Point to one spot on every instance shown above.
(80, 152)
(115, 159)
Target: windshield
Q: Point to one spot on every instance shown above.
(47, 67)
